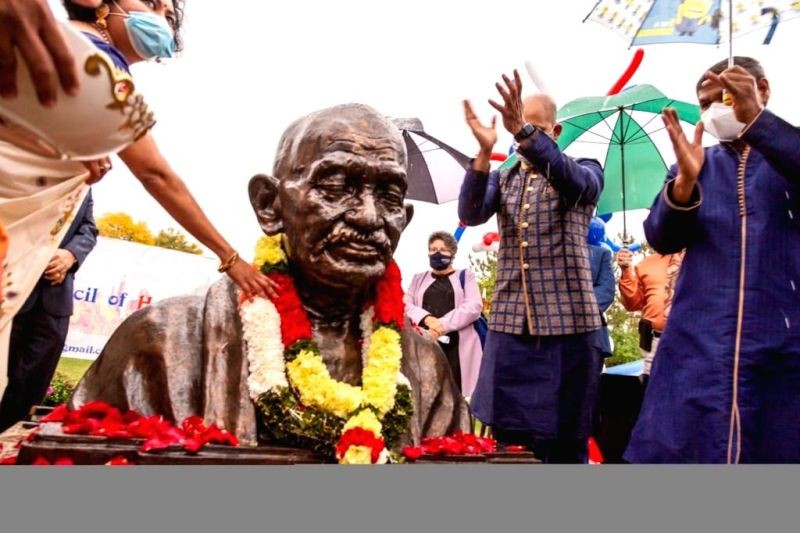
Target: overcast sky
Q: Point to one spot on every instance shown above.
(250, 67)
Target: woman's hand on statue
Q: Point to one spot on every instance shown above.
(30, 26)
(97, 169)
(251, 281)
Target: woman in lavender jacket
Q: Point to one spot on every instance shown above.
(446, 303)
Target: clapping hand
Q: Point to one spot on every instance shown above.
(511, 109)
(690, 156)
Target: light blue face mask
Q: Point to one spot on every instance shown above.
(150, 34)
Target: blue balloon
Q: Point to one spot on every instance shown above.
(611, 244)
(597, 231)
(605, 217)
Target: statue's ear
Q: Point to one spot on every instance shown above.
(409, 214)
(266, 203)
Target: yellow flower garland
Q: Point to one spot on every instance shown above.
(362, 407)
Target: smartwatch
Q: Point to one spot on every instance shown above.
(526, 131)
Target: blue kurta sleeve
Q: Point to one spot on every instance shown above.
(778, 141)
(578, 181)
(480, 196)
(670, 227)
(604, 289)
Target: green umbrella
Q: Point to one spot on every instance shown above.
(624, 126)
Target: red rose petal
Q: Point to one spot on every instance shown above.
(412, 452)
(57, 414)
(514, 448)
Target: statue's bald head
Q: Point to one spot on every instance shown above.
(540, 110)
(308, 138)
(337, 194)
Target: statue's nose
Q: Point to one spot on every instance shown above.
(365, 213)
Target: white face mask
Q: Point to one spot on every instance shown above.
(720, 121)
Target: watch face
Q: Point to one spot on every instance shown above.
(525, 132)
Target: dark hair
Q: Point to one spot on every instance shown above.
(448, 240)
(87, 14)
(748, 63)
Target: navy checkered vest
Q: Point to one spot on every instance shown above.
(543, 271)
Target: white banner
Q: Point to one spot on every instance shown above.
(120, 277)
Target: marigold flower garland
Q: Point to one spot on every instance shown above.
(288, 380)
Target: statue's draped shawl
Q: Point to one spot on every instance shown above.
(184, 356)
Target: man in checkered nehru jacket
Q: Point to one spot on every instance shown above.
(538, 378)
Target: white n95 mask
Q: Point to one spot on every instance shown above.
(720, 121)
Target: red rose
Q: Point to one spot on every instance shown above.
(118, 461)
(360, 437)
(389, 307)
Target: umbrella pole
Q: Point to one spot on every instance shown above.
(622, 176)
(730, 33)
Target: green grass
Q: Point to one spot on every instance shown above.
(72, 368)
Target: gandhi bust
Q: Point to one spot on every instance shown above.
(337, 194)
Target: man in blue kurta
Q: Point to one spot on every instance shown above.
(725, 387)
(538, 378)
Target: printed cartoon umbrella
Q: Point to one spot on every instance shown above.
(692, 21)
(435, 170)
(623, 132)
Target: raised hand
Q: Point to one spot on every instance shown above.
(743, 88)
(485, 135)
(511, 109)
(690, 156)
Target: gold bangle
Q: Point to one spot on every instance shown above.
(224, 267)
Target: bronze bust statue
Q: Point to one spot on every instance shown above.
(337, 194)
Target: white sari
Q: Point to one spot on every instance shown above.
(38, 201)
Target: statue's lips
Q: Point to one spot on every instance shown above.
(359, 251)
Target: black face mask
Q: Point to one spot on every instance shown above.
(439, 261)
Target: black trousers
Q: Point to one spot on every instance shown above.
(37, 339)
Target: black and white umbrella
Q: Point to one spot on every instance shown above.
(435, 170)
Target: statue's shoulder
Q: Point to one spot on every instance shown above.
(219, 298)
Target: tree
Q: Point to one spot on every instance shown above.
(623, 327)
(485, 270)
(175, 240)
(121, 226)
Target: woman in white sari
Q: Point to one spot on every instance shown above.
(38, 194)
